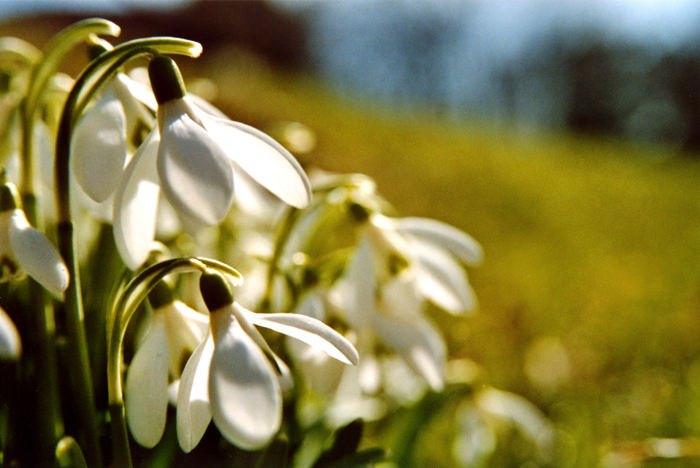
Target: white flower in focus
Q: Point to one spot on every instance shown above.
(233, 377)
(24, 249)
(10, 344)
(175, 331)
(194, 156)
(101, 139)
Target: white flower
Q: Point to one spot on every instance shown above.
(232, 377)
(101, 138)
(23, 248)
(194, 156)
(432, 249)
(390, 314)
(10, 344)
(174, 333)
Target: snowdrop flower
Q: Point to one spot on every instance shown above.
(24, 249)
(193, 156)
(10, 344)
(233, 376)
(174, 332)
(101, 138)
(390, 314)
(432, 250)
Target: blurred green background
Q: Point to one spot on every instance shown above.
(590, 289)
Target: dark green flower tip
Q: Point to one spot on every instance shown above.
(359, 213)
(166, 80)
(161, 295)
(215, 290)
(9, 197)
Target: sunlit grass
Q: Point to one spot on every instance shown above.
(593, 244)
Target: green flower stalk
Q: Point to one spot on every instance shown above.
(90, 81)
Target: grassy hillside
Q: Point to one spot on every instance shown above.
(592, 272)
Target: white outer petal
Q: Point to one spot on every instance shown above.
(36, 255)
(457, 242)
(418, 343)
(10, 343)
(136, 204)
(193, 410)
(195, 172)
(133, 94)
(264, 159)
(354, 293)
(98, 148)
(310, 331)
(442, 280)
(146, 387)
(244, 391)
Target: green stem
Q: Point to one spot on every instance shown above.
(77, 350)
(93, 77)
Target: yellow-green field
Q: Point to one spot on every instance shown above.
(591, 277)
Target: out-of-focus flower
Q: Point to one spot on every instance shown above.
(174, 333)
(233, 377)
(10, 344)
(194, 156)
(24, 249)
(391, 315)
(432, 250)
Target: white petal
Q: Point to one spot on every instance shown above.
(136, 203)
(195, 173)
(457, 242)
(442, 280)
(146, 387)
(399, 296)
(418, 343)
(309, 330)
(98, 148)
(36, 255)
(265, 160)
(244, 391)
(193, 410)
(204, 105)
(369, 377)
(186, 329)
(357, 287)
(10, 344)
(132, 94)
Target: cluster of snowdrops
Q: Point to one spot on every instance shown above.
(156, 252)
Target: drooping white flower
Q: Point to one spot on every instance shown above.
(175, 331)
(25, 249)
(193, 157)
(390, 314)
(433, 250)
(100, 141)
(233, 376)
(10, 343)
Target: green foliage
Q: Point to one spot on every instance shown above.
(591, 272)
